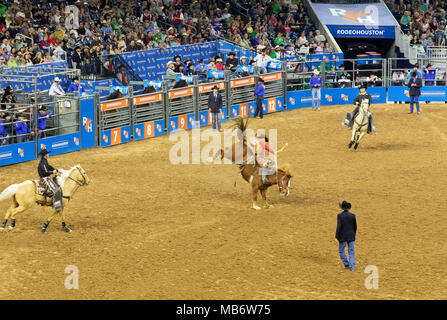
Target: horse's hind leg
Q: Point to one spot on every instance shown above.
(8, 214)
(254, 193)
(13, 213)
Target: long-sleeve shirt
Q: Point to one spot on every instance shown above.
(261, 60)
(256, 144)
(315, 81)
(2, 129)
(74, 88)
(260, 90)
(171, 74)
(56, 90)
(21, 127)
(42, 121)
(44, 169)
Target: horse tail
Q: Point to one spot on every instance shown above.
(241, 125)
(9, 192)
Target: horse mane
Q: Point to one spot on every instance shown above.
(64, 175)
(115, 95)
(240, 124)
(287, 169)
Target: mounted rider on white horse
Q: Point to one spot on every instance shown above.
(363, 97)
(52, 188)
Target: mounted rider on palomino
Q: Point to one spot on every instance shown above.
(362, 97)
(258, 145)
(52, 189)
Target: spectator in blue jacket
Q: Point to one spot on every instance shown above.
(3, 134)
(415, 69)
(315, 85)
(22, 130)
(42, 121)
(75, 86)
(259, 94)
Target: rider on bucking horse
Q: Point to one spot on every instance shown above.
(258, 145)
(45, 171)
(362, 97)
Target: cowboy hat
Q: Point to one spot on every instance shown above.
(219, 59)
(43, 108)
(316, 72)
(216, 87)
(57, 79)
(363, 85)
(231, 54)
(170, 62)
(44, 152)
(345, 205)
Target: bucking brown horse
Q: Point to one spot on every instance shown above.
(249, 168)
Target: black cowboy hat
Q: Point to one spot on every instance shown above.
(216, 87)
(345, 205)
(363, 86)
(175, 57)
(261, 80)
(231, 54)
(44, 152)
(43, 108)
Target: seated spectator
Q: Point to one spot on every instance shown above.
(398, 78)
(261, 61)
(219, 64)
(171, 75)
(341, 72)
(122, 77)
(343, 82)
(75, 86)
(56, 89)
(232, 62)
(373, 80)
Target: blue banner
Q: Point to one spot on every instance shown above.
(19, 152)
(427, 94)
(205, 117)
(334, 96)
(151, 64)
(115, 136)
(88, 123)
(182, 122)
(365, 20)
(61, 144)
(149, 129)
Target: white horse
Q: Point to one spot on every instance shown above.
(360, 126)
(24, 196)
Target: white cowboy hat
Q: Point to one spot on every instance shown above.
(170, 62)
(316, 72)
(57, 79)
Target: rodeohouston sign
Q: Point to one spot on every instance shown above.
(367, 20)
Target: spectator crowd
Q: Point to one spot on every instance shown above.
(87, 32)
(424, 25)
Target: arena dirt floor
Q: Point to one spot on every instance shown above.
(147, 229)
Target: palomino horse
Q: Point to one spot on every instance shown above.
(360, 126)
(250, 172)
(24, 195)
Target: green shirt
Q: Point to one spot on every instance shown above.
(276, 8)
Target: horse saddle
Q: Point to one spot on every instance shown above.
(41, 189)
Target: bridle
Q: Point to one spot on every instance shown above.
(84, 182)
(365, 115)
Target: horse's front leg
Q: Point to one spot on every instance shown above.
(359, 137)
(254, 193)
(47, 223)
(64, 226)
(264, 197)
(352, 139)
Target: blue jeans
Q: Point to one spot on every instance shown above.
(316, 97)
(414, 99)
(216, 118)
(341, 251)
(259, 110)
